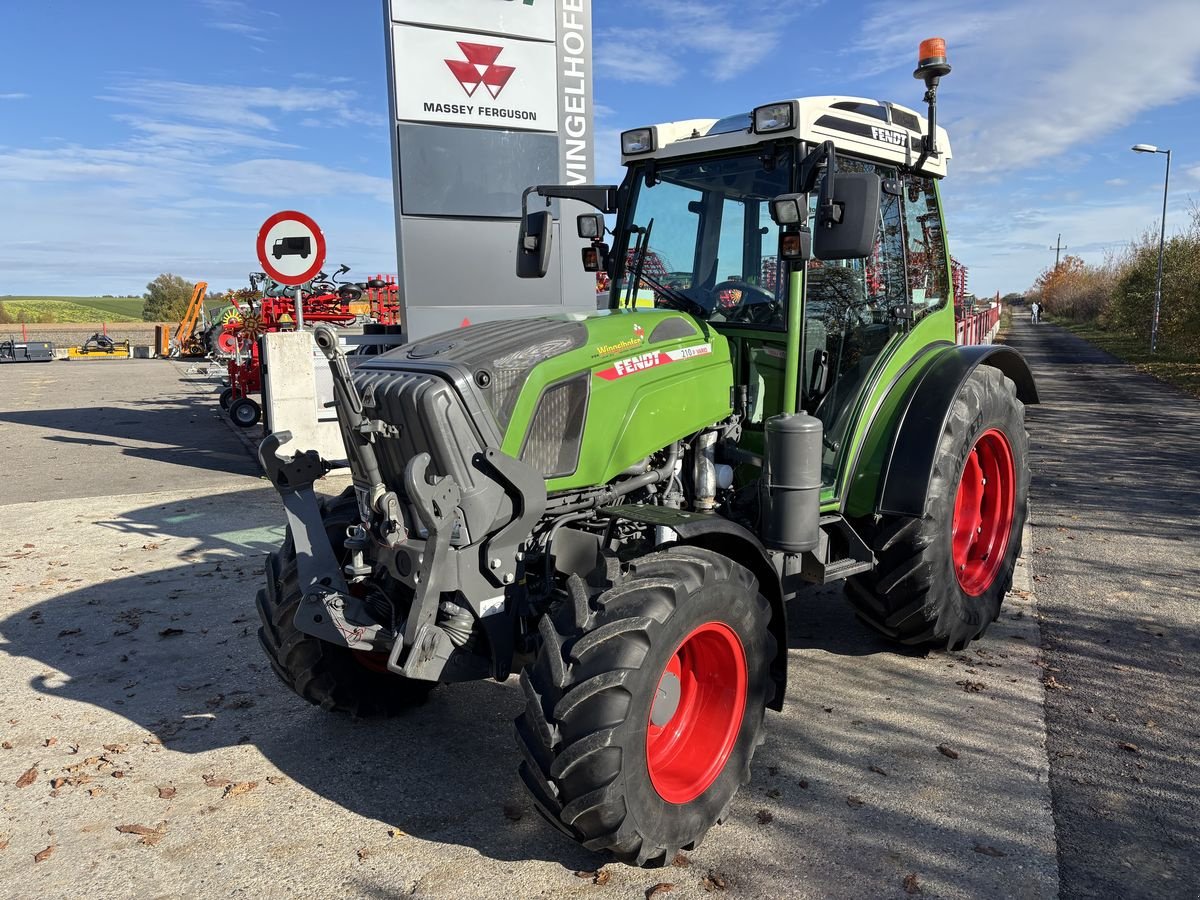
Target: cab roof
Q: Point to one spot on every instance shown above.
(873, 129)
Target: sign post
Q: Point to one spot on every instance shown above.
(291, 249)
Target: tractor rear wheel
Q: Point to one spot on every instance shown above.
(334, 678)
(941, 577)
(645, 704)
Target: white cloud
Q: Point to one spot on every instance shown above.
(711, 40)
(290, 177)
(15, 95)
(1034, 80)
(1116, 182)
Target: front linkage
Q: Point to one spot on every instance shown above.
(485, 574)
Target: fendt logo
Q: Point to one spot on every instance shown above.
(480, 68)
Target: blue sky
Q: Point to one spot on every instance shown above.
(141, 136)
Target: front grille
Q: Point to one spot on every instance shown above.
(552, 444)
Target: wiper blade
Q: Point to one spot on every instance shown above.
(677, 298)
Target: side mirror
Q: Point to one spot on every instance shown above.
(846, 229)
(590, 226)
(595, 258)
(533, 245)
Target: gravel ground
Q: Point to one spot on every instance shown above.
(134, 675)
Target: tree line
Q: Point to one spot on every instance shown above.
(1117, 294)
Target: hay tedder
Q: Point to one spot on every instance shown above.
(619, 506)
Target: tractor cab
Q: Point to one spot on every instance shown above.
(715, 216)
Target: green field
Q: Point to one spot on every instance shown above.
(73, 309)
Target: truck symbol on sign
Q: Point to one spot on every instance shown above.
(292, 246)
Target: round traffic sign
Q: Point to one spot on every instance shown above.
(291, 247)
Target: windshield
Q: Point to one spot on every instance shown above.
(703, 238)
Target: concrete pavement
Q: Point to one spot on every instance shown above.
(132, 671)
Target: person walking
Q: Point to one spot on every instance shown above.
(1036, 309)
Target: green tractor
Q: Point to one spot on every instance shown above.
(619, 506)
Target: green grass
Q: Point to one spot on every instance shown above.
(1179, 369)
(75, 309)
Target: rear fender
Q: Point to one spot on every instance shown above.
(908, 464)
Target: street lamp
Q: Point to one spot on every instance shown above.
(1162, 236)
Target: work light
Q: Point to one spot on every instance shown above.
(773, 117)
(639, 140)
(786, 209)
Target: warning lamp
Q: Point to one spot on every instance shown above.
(931, 59)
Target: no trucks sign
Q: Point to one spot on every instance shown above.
(291, 247)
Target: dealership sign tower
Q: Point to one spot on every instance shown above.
(488, 97)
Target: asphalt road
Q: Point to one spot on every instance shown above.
(1116, 562)
(95, 428)
(133, 674)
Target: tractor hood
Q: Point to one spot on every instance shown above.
(580, 398)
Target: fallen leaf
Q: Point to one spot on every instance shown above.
(947, 751)
(4, 841)
(95, 791)
(56, 783)
(774, 793)
(6, 745)
(116, 748)
(989, 851)
(663, 887)
(275, 779)
(803, 783)
(512, 812)
(602, 876)
(166, 792)
(911, 885)
(148, 836)
(586, 874)
(714, 881)
(29, 777)
(43, 855)
(971, 687)
(242, 787)
(216, 781)
(854, 802)
(150, 546)
(119, 773)
(764, 817)
(1124, 745)
(170, 632)
(681, 861)
(396, 833)
(878, 771)
(363, 853)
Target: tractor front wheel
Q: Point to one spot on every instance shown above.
(332, 677)
(645, 704)
(941, 577)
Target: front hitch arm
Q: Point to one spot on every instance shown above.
(328, 610)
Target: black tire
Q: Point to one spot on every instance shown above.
(244, 412)
(915, 595)
(324, 674)
(226, 398)
(589, 695)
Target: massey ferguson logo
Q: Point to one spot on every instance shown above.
(480, 68)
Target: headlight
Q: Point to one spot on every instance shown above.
(786, 209)
(775, 117)
(639, 140)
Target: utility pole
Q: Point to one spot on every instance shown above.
(1058, 249)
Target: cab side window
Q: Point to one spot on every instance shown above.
(925, 246)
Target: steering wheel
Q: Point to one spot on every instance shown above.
(756, 304)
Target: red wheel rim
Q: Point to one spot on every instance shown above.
(983, 512)
(697, 713)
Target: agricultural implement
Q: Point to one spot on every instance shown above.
(101, 346)
(188, 340)
(619, 506)
(271, 307)
(26, 351)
